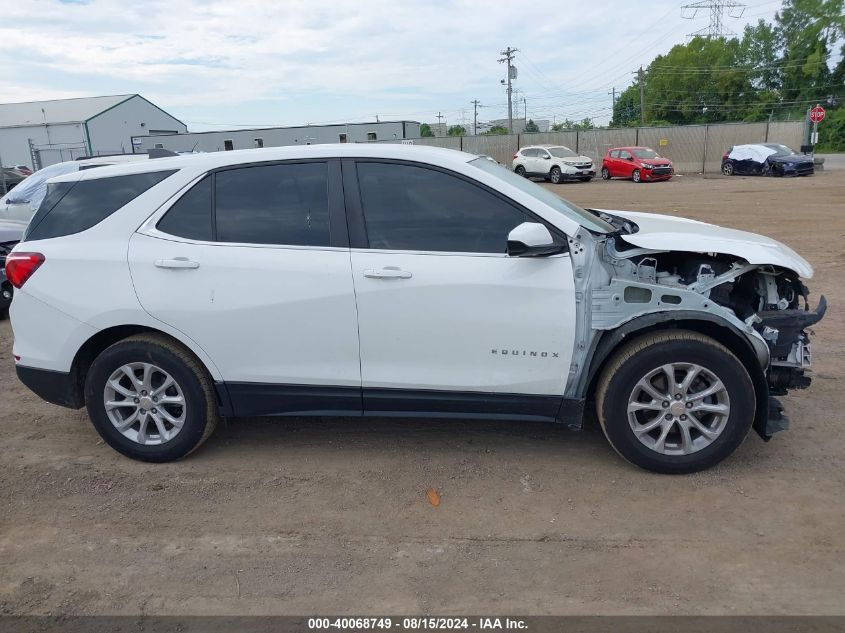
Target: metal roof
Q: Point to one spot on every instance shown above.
(57, 111)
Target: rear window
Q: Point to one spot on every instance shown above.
(73, 207)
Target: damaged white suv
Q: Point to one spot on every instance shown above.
(390, 280)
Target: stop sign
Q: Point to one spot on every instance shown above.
(817, 114)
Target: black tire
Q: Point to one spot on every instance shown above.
(520, 170)
(636, 176)
(640, 357)
(555, 175)
(201, 412)
(605, 173)
(728, 168)
(4, 314)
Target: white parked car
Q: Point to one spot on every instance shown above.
(21, 202)
(555, 163)
(397, 280)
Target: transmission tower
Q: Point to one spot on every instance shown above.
(718, 8)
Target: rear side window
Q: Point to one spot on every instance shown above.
(74, 207)
(190, 217)
(284, 204)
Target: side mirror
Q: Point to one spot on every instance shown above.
(547, 157)
(532, 239)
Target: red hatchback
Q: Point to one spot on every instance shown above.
(640, 164)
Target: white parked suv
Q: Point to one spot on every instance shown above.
(391, 280)
(555, 163)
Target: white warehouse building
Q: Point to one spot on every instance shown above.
(40, 133)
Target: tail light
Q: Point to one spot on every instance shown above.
(21, 266)
(515, 155)
(725, 156)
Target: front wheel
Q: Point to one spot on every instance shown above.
(150, 399)
(636, 176)
(675, 402)
(555, 175)
(605, 173)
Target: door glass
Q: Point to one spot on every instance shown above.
(419, 209)
(614, 153)
(273, 204)
(190, 216)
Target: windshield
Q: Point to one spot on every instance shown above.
(646, 153)
(562, 152)
(33, 188)
(564, 207)
(780, 149)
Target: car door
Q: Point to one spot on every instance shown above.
(626, 163)
(252, 263)
(447, 320)
(544, 162)
(530, 155)
(612, 162)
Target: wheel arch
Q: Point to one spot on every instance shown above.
(709, 325)
(108, 336)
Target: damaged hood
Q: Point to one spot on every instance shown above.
(668, 233)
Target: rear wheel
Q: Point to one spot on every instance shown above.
(555, 175)
(728, 168)
(150, 399)
(605, 173)
(675, 402)
(520, 170)
(636, 176)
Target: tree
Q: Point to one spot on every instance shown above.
(425, 130)
(456, 130)
(531, 126)
(496, 130)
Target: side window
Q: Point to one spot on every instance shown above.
(190, 216)
(614, 153)
(530, 153)
(625, 155)
(74, 207)
(414, 208)
(542, 153)
(273, 204)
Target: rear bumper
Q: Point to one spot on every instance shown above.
(55, 387)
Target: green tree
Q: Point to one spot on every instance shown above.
(496, 130)
(531, 126)
(456, 130)
(425, 130)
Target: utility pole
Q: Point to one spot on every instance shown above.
(612, 97)
(439, 116)
(475, 103)
(642, 96)
(525, 109)
(717, 9)
(507, 58)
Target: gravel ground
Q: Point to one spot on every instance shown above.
(330, 515)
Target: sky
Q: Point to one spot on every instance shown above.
(255, 63)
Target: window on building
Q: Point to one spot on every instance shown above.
(228, 145)
(371, 136)
(190, 216)
(414, 208)
(273, 204)
(259, 142)
(159, 145)
(341, 138)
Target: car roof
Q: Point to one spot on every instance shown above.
(215, 160)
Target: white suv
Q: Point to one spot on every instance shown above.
(390, 280)
(555, 163)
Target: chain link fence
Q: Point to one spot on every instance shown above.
(693, 149)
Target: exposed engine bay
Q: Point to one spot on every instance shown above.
(768, 304)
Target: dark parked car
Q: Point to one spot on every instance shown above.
(11, 232)
(765, 159)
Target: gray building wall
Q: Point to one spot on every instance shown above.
(280, 136)
(111, 131)
(58, 142)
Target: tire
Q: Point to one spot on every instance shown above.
(555, 175)
(632, 365)
(520, 170)
(605, 173)
(728, 168)
(635, 176)
(198, 415)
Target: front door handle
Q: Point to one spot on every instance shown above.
(388, 272)
(176, 262)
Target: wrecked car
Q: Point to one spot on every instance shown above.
(765, 159)
(10, 234)
(394, 280)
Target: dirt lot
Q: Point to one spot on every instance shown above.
(303, 516)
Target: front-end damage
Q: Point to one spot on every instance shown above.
(626, 288)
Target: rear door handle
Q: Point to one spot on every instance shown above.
(388, 272)
(176, 262)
